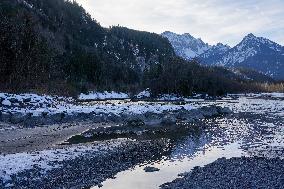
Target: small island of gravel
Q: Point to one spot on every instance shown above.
(244, 172)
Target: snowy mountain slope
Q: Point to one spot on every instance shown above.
(216, 52)
(185, 45)
(255, 53)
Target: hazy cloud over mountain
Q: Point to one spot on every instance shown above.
(214, 21)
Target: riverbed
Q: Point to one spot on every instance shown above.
(255, 129)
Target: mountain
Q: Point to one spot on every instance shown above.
(255, 53)
(215, 52)
(55, 46)
(252, 53)
(185, 45)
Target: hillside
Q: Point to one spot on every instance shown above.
(55, 46)
(58, 41)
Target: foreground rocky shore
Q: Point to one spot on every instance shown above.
(91, 167)
(54, 143)
(245, 172)
(39, 146)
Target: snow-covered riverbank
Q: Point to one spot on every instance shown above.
(248, 131)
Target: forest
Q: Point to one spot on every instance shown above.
(56, 47)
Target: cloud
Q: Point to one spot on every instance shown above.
(214, 21)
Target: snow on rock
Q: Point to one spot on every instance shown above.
(185, 45)
(39, 104)
(6, 103)
(103, 96)
(144, 94)
(170, 97)
(27, 98)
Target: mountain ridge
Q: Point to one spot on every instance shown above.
(186, 45)
(256, 53)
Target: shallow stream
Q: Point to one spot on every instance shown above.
(256, 129)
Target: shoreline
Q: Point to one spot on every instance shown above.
(19, 138)
(244, 172)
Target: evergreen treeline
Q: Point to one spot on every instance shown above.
(55, 46)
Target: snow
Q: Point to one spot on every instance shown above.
(170, 97)
(54, 104)
(49, 159)
(12, 164)
(185, 45)
(103, 96)
(38, 104)
(6, 103)
(144, 94)
(27, 4)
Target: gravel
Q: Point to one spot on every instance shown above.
(245, 172)
(92, 168)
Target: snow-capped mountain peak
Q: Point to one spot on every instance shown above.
(256, 53)
(252, 41)
(185, 45)
(215, 51)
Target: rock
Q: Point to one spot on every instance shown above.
(224, 110)
(182, 115)
(35, 121)
(44, 113)
(151, 169)
(6, 117)
(27, 100)
(113, 118)
(58, 117)
(6, 103)
(100, 185)
(168, 120)
(135, 122)
(209, 111)
(13, 100)
(19, 118)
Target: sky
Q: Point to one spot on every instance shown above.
(225, 21)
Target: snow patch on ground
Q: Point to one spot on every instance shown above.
(144, 94)
(39, 104)
(103, 96)
(12, 164)
(170, 97)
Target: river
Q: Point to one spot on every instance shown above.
(255, 129)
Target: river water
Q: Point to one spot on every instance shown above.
(255, 129)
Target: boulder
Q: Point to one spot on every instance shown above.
(17, 118)
(151, 169)
(58, 117)
(14, 100)
(135, 122)
(224, 111)
(26, 100)
(5, 117)
(209, 111)
(168, 120)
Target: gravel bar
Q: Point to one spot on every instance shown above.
(245, 172)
